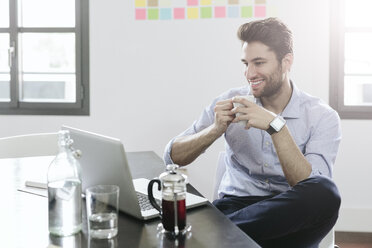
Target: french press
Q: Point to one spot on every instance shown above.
(172, 184)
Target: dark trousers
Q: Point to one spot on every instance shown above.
(300, 217)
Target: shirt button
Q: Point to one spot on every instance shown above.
(267, 143)
(267, 180)
(266, 164)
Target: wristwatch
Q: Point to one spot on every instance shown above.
(276, 125)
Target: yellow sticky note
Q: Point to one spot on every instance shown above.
(140, 3)
(205, 2)
(192, 13)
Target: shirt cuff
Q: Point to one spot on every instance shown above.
(167, 153)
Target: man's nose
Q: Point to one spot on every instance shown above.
(250, 71)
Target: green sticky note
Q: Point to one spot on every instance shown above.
(152, 14)
(206, 12)
(246, 11)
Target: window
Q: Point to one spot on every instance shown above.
(44, 57)
(351, 58)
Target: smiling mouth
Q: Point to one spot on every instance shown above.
(255, 83)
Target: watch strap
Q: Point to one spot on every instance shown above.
(270, 130)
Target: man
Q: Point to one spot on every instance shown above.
(277, 185)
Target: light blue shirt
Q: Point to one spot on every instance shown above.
(252, 165)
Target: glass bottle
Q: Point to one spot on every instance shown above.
(64, 189)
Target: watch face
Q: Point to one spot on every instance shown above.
(278, 123)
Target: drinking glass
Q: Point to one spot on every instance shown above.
(102, 211)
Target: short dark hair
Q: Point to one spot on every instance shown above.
(272, 32)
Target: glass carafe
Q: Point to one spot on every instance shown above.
(64, 189)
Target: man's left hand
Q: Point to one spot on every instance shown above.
(256, 116)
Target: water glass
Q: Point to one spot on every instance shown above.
(102, 211)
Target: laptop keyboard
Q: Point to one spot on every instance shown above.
(144, 202)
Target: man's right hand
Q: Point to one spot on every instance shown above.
(223, 116)
(186, 149)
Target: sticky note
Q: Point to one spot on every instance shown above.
(165, 14)
(233, 11)
(234, 2)
(271, 11)
(192, 2)
(179, 3)
(246, 11)
(140, 3)
(220, 11)
(153, 14)
(205, 2)
(206, 12)
(260, 1)
(140, 14)
(179, 13)
(152, 3)
(165, 3)
(259, 11)
(219, 2)
(246, 2)
(192, 13)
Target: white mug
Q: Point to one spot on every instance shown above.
(250, 98)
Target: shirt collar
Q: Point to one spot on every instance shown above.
(292, 110)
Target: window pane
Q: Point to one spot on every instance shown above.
(4, 13)
(47, 52)
(358, 13)
(358, 90)
(48, 88)
(4, 69)
(4, 88)
(48, 66)
(358, 53)
(46, 13)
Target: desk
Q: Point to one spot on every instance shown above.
(24, 216)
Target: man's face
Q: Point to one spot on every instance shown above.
(262, 69)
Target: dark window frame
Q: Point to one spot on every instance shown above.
(81, 30)
(337, 74)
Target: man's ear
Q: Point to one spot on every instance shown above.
(287, 62)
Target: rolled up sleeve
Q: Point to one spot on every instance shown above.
(321, 150)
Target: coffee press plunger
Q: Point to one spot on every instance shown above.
(172, 184)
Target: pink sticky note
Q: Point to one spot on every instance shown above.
(259, 11)
(140, 14)
(220, 12)
(192, 2)
(179, 13)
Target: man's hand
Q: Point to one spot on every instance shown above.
(256, 116)
(223, 116)
(186, 149)
(295, 166)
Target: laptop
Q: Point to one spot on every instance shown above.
(104, 161)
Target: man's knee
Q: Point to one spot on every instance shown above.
(224, 205)
(323, 190)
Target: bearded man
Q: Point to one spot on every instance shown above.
(277, 186)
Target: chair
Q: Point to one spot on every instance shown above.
(30, 145)
(327, 242)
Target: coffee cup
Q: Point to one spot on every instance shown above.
(250, 98)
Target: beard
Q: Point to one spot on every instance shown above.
(273, 83)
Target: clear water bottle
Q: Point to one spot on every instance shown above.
(64, 189)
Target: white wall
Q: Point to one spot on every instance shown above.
(151, 79)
